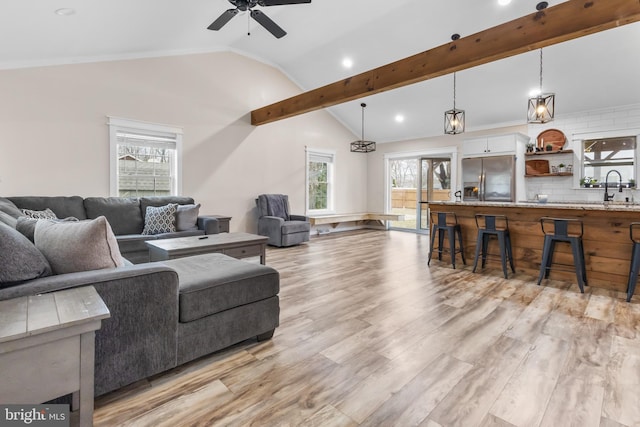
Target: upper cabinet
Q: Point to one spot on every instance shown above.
(492, 145)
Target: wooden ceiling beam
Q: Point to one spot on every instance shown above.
(566, 21)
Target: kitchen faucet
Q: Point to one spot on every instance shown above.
(608, 197)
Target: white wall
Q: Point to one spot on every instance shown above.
(604, 122)
(54, 137)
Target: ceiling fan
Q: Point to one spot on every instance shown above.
(258, 15)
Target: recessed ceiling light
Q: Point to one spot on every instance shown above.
(399, 118)
(504, 2)
(347, 63)
(65, 11)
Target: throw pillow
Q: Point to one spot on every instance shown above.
(160, 219)
(8, 207)
(8, 219)
(187, 217)
(19, 259)
(71, 246)
(45, 214)
(27, 226)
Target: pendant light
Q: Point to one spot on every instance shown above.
(454, 118)
(541, 108)
(362, 146)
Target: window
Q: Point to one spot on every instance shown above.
(145, 158)
(602, 155)
(320, 180)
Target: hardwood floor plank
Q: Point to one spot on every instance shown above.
(525, 397)
(370, 335)
(411, 405)
(470, 400)
(623, 383)
(328, 416)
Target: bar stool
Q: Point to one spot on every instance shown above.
(634, 268)
(493, 226)
(561, 233)
(446, 222)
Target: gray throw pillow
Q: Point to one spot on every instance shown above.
(72, 246)
(19, 259)
(8, 207)
(187, 217)
(161, 219)
(5, 218)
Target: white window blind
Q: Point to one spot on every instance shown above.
(145, 159)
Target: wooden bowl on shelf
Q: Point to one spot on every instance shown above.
(554, 137)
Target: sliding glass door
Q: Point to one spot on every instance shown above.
(415, 182)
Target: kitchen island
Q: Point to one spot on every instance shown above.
(607, 246)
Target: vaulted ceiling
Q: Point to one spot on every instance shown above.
(595, 71)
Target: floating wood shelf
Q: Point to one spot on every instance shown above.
(540, 153)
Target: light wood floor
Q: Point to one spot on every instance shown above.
(371, 336)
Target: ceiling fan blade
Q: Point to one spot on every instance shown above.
(268, 24)
(223, 19)
(281, 2)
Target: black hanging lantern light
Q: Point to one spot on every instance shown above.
(361, 145)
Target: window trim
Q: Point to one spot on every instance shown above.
(118, 124)
(309, 152)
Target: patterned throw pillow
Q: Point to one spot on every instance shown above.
(160, 219)
(45, 214)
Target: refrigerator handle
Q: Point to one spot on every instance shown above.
(482, 189)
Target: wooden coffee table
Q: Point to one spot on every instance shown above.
(237, 245)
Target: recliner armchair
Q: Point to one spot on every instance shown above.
(275, 221)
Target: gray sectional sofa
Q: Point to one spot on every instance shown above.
(125, 215)
(163, 314)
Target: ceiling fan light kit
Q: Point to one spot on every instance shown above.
(361, 145)
(259, 16)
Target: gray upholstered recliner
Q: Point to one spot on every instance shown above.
(275, 221)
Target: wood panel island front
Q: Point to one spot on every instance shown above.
(607, 245)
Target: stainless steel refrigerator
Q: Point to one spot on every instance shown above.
(489, 179)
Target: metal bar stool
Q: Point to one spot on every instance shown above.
(446, 223)
(562, 233)
(634, 268)
(490, 226)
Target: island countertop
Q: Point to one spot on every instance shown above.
(575, 205)
(607, 245)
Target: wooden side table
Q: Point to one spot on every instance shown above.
(47, 348)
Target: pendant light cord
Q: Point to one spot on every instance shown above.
(540, 71)
(363, 105)
(454, 90)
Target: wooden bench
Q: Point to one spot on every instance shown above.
(358, 218)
